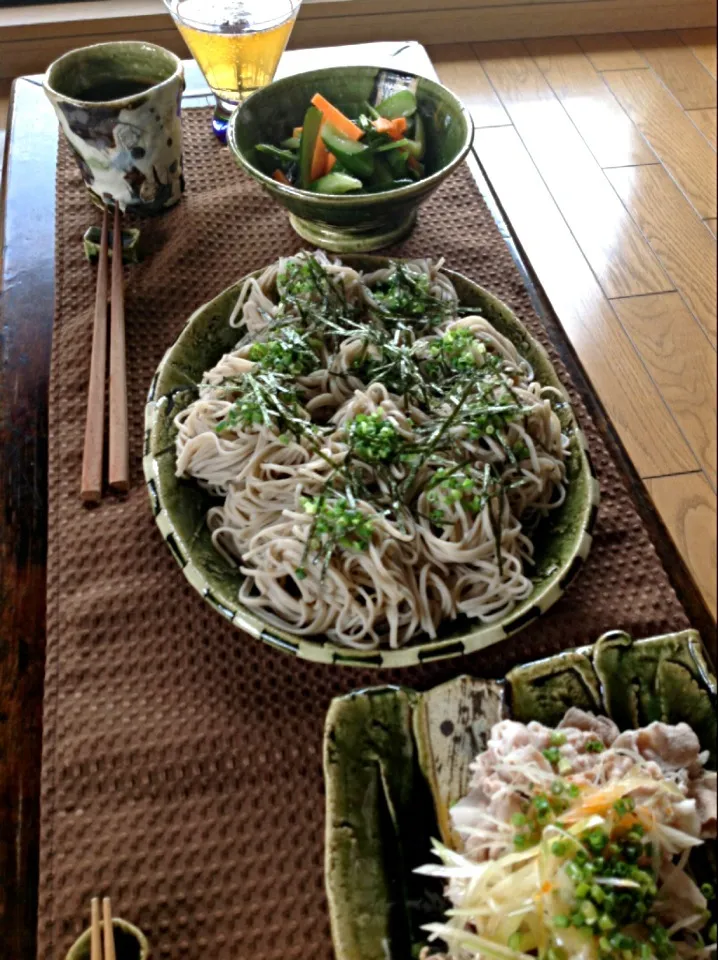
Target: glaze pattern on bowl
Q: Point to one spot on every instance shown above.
(386, 744)
(350, 223)
(562, 542)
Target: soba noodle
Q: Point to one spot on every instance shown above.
(379, 455)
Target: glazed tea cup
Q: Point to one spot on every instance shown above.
(119, 107)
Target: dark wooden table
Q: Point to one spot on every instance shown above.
(26, 316)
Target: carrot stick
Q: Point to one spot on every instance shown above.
(319, 160)
(393, 128)
(281, 177)
(331, 160)
(336, 118)
(297, 132)
(382, 125)
(400, 126)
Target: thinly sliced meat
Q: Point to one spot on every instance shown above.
(679, 896)
(703, 788)
(605, 729)
(515, 764)
(673, 747)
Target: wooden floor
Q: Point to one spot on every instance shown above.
(602, 151)
(4, 98)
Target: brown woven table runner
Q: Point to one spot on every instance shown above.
(182, 760)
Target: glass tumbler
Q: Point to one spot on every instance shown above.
(237, 44)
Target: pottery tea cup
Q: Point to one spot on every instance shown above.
(119, 107)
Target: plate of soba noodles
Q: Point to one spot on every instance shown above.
(367, 462)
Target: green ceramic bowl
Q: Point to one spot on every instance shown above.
(130, 943)
(350, 223)
(396, 760)
(561, 543)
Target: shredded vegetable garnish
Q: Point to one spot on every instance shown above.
(589, 864)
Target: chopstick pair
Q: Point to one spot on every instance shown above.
(96, 951)
(118, 460)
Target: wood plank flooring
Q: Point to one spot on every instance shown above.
(705, 120)
(602, 152)
(609, 134)
(686, 248)
(680, 147)
(4, 103)
(687, 505)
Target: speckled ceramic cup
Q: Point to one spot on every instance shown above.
(119, 107)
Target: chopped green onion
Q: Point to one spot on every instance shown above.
(597, 894)
(589, 911)
(555, 953)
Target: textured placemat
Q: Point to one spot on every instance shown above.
(182, 760)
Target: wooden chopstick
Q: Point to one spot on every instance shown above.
(95, 942)
(119, 466)
(91, 489)
(108, 929)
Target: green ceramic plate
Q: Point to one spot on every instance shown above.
(561, 543)
(396, 760)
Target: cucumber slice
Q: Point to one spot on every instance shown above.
(286, 155)
(393, 145)
(383, 176)
(417, 144)
(336, 183)
(312, 125)
(416, 169)
(399, 104)
(353, 156)
(398, 161)
(373, 113)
